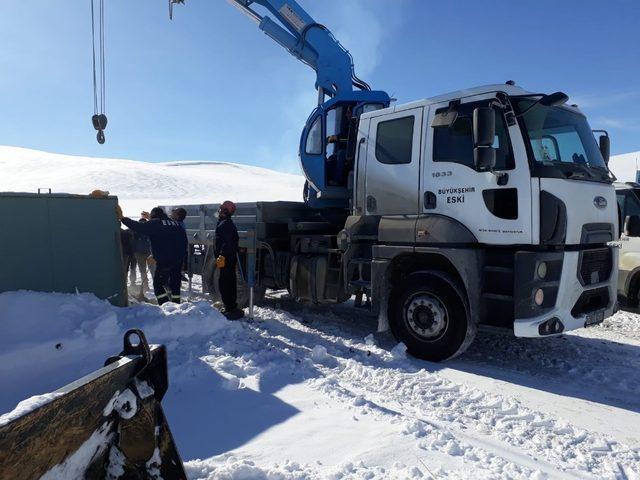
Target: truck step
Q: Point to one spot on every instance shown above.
(309, 226)
(497, 280)
(369, 238)
(496, 269)
(361, 260)
(497, 297)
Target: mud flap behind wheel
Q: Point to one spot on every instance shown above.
(109, 424)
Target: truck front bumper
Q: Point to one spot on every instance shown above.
(579, 290)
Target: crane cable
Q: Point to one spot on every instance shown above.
(99, 119)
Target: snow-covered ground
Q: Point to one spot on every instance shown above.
(316, 393)
(306, 393)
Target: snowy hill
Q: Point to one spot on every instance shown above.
(142, 185)
(624, 166)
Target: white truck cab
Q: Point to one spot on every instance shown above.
(522, 210)
(490, 206)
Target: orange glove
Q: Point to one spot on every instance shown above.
(99, 194)
(220, 261)
(119, 212)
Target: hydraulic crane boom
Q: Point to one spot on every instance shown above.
(310, 42)
(326, 155)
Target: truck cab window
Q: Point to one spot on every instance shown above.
(337, 132)
(455, 143)
(394, 141)
(314, 137)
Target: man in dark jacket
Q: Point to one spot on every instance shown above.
(226, 252)
(169, 246)
(179, 214)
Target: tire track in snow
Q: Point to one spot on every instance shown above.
(473, 446)
(527, 438)
(495, 434)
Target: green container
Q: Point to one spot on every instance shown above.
(61, 243)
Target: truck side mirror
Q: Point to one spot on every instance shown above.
(605, 147)
(632, 226)
(484, 158)
(484, 127)
(484, 134)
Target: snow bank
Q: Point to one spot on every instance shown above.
(142, 185)
(49, 340)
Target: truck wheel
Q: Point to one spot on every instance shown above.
(242, 289)
(632, 299)
(428, 313)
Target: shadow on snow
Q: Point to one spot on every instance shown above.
(593, 369)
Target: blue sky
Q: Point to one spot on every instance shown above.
(210, 86)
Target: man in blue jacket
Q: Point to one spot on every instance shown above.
(169, 246)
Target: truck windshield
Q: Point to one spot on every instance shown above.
(561, 140)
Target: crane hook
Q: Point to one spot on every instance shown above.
(100, 124)
(99, 119)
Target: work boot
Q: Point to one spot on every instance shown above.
(235, 314)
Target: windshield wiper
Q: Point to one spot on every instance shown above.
(575, 174)
(584, 168)
(573, 170)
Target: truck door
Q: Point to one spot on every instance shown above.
(393, 163)
(629, 262)
(494, 206)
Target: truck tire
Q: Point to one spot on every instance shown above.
(241, 287)
(632, 300)
(428, 312)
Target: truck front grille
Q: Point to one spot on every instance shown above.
(595, 266)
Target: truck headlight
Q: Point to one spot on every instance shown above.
(539, 297)
(542, 270)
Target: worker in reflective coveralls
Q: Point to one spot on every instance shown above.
(226, 253)
(169, 247)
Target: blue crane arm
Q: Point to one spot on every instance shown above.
(308, 41)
